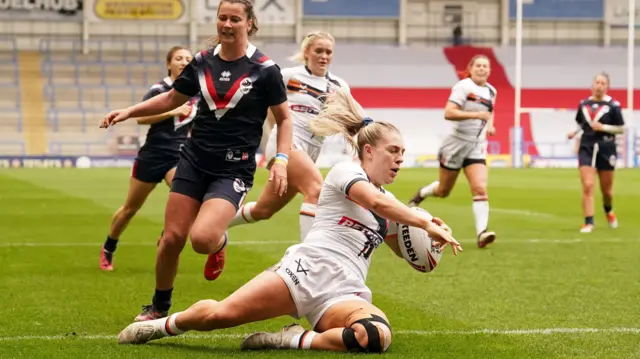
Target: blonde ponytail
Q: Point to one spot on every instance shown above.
(340, 115)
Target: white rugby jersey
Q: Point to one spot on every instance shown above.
(343, 226)
(471, 97)
(304, 93)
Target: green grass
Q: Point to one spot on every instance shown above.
(541, 273)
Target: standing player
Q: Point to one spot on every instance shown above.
(470, 107)
(599, 120)
(306, 87)
(323, 278)
(158, 157)
(217, 164)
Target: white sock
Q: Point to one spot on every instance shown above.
(481, 212)
(307, 215)
(168, 325)
(243, 216)
(302, 340)
(428, 190)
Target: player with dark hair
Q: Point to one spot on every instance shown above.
(599, 120)
(238, 84)
(323, 278)
(158, 157)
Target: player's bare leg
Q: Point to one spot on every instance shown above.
(353, 325)
(208, 234)
(587, 178)
(477, 175)
(303, 177)
(441, 188)
(264, 297)
(137, 195)
(606, 187)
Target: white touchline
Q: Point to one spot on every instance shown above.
(267, 242)
(524, 332)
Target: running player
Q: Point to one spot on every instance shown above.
(323, 278)
(470, 106)
(217, 164)
(306, 87)
(158, 157)
(599, 119)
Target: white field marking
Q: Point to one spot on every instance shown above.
(524, 332)
(520, 212)
(252, 243)
(129, 244)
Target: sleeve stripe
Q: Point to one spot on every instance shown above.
(351, 183)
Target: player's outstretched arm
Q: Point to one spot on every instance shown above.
(368, 196)
(154, 106)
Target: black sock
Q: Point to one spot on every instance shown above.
(110, 244)
(162, 299)
(588, 220)
(607, 209)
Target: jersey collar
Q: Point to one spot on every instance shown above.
(168, 81)
(311, 73)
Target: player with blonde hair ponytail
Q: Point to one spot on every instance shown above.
(323, 278)
(307, 87)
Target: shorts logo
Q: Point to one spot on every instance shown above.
(239, 186)
(246, 85)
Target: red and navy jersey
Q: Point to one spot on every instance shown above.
(606, 111)
(165, 138)
(235, 97)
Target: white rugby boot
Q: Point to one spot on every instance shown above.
(279, 340)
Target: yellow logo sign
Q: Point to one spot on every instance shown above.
(139, 9)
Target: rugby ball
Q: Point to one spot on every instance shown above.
(418, 249)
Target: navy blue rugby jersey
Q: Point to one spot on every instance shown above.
(235, 97)
(606, 111)
(164, 138)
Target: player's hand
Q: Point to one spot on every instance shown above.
(441, 223)
(597, 126)
(443, 237)
(182, 111)
(114, 117)
(278, 175)
(491, 131)
(571, 135)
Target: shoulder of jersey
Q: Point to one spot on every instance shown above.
(257, 56)
(492, 89)
(612, 102)
(338, 81)
(161, 86)
(347, 166)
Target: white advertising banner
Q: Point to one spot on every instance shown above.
(55, 10)
(268, 12)
(137, 10)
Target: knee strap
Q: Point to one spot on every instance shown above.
(373, 336)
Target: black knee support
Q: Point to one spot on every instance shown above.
(373, 342)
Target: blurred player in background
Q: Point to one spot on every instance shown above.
(470, 107)
(599, 120)
(306, 87)
(238, 84)
(323, 278)
(158, 157)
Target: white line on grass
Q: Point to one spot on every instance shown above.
(520, 212)
(134, 244)
(259, 243)
(524, 332)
